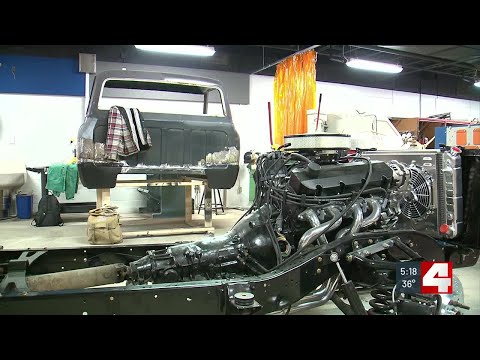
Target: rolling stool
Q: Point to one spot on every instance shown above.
(215, 206)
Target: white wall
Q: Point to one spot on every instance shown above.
(388, 103)
(42, 126)
(251, 122)
(36, 129)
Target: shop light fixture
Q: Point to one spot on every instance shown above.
(477, 83)
(193, 50)
(374, 66)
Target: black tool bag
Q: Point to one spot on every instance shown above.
(48, 213)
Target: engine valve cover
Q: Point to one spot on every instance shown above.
(340, 178)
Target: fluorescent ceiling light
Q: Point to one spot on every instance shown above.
(374, 66)
(477, 83)
(194, 50)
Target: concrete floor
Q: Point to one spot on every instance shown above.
(19, 234)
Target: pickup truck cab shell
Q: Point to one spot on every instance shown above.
(189, 144)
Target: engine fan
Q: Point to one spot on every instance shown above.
(416, 201)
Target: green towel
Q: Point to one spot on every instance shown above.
(71, 182)
(56, 178)
(63, 178)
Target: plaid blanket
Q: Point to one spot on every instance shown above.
(119, 138)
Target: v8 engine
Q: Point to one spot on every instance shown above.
(325, 225)
(389, 204)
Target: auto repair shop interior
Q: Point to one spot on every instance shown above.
(240, 179)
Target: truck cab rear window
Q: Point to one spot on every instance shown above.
(163, 97)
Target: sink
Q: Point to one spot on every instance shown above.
(12, 174)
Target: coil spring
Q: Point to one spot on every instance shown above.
(381, 303)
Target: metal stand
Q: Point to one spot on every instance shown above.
(215, 206)
(43, 173)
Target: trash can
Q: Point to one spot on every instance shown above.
(24, 206)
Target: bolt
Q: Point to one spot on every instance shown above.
(349, 258)
(366, 253)
(355, 243)
(319, 259)
(319, 271)
(386, 245)
(111, 298)
(410, 244)
(334, 257)
(370, 241)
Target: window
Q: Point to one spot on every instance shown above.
(163, 97)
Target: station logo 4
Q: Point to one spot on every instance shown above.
(436, 277)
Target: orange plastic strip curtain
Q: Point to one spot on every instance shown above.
(294, 94)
